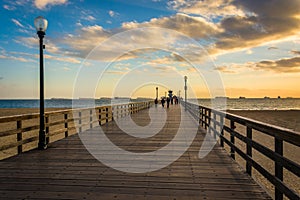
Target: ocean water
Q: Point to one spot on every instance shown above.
(63, 103)
(232, 104)
(250, 104)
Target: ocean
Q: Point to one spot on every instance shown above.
(251, 103)
(231, 104)
(63, 103)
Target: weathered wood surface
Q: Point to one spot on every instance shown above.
(66, 170)
(212, 120)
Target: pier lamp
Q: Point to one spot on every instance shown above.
(156, 92)
(41, 24)
(185, 90)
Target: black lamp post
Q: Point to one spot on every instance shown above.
(156, 92)
(41, 24)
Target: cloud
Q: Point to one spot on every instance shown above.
(63, 59)
(21, 59)
(244, 24)
(42, 4)
(195, 27)
(28, 57)
(225, 69)
(206, 8)
(271, 48)
(9, 7)
(267, 21)
(112, 13)
(89, 18)
(1, 77)
(295, 52)
(231, 68)
(32, 42)
(86, 39)
(225, 26)
(284, 65)
(17, 23)
(249, 52)
(147, 35)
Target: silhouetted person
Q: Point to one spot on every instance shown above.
(156, 102)
(168, 102)
(163, 102)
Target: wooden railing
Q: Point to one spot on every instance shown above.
(20, 133)
(224, 125)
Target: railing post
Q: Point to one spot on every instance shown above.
(99, 116)
(232, 127)
(19, 136)
(278, 167)
(222, 130)
(79, 122)
(91, 118)
(106, 115)
(215, 125)
(66, 124)
(47, 129)
(249, 150)
(200, 115)
(209, 120)
(203, 117)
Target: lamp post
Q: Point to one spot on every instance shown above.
(185, 90)
(156, 92)
(41, 24)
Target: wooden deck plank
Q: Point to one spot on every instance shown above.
(66, 170)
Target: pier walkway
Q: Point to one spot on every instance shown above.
(66, 170)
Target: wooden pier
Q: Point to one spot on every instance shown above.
(66, 170)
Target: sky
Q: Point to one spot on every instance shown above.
(108, 48)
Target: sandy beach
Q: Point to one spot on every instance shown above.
(289, 119)
(285, 118)
(22, 111)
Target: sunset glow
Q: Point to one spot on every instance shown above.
(253, 46)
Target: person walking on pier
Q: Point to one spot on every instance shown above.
(168, 102)
(163, 102)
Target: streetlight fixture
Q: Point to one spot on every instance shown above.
(185, 90)
(156, 92)
(41, 24)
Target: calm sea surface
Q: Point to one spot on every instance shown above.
(62, 103)
(232, 104)
(250, 104)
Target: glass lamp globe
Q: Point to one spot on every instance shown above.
(40, 24)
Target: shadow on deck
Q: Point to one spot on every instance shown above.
(66, 170)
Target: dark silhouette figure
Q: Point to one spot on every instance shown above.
(163, 102)
(168, 102)
(156, 102)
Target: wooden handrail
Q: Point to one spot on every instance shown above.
(84, 116)
(207, 118)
